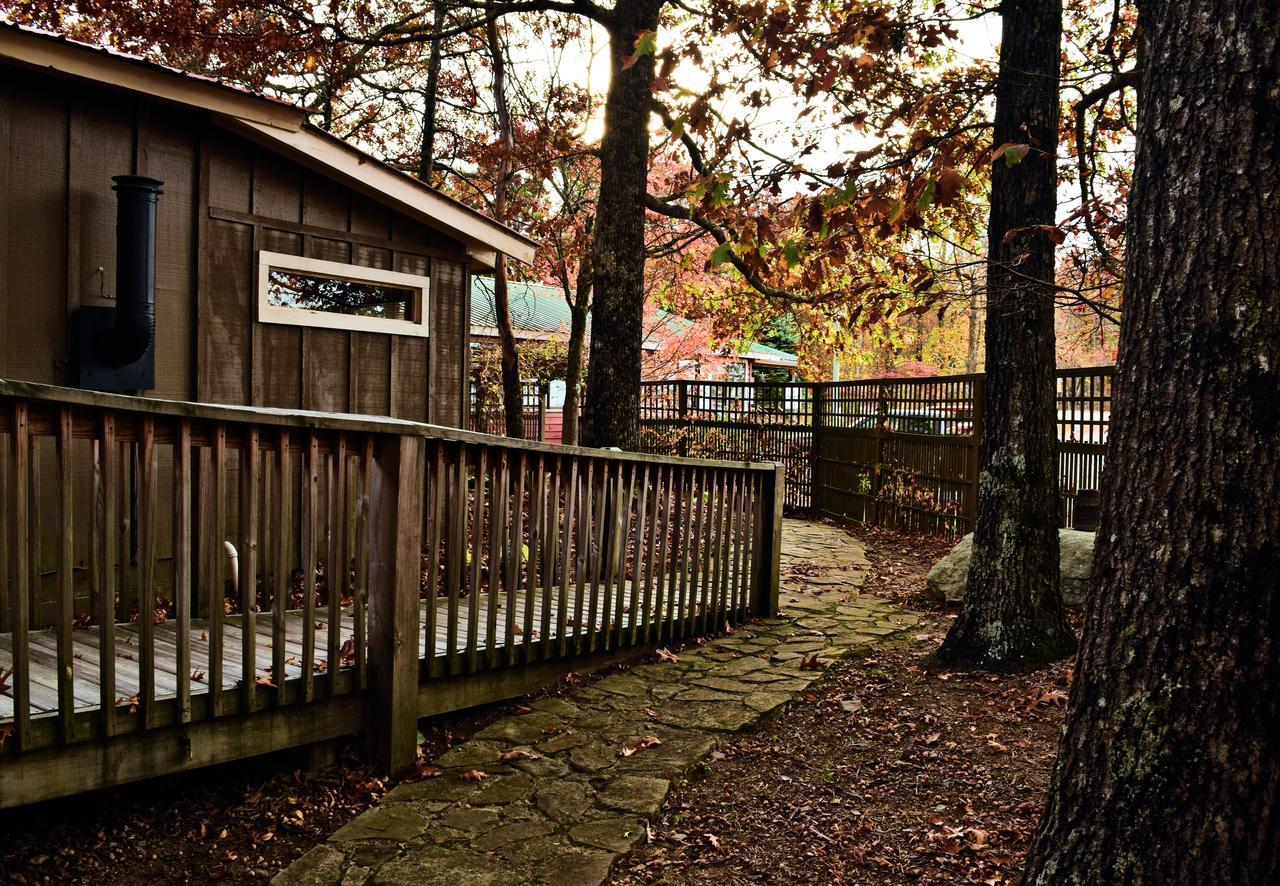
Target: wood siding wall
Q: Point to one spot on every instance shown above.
(224, 199)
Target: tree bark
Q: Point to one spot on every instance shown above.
(427, 156)
(512, 395)
(611, 416)
(1169, 769)
(1012, 617)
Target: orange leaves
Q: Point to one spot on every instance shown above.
(473, 775)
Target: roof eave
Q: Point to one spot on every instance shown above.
(71, 59)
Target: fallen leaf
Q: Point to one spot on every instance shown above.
(474, 775)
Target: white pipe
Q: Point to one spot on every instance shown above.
(233, 566)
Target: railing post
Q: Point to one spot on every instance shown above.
(767, 560)
(395, 573)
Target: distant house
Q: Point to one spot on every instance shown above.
(241, 256)
(675, 347)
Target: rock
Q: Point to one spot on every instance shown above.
(612, 833)
(382, 823)
(634, 793)
(947, 578)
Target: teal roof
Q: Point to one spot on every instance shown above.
(539, 309)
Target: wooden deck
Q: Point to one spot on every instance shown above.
(86, 643)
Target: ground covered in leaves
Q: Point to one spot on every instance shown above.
(886, 773)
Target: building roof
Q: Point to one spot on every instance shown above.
(539, 311)
(276, 124)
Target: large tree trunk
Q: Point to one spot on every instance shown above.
(612, 414)
(1012, 617)
(512, 395)
(1169, 771)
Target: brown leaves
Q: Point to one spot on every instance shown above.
(665, 654)
(649, 741)
(812, 663)
(951, 182)
(519, 754)
(5, 674)
(473, 775)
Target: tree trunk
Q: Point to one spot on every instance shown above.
(1169, 770)
(612, 414)
(427, 156)
(512, 395)
(578, 306)
(1012, 617)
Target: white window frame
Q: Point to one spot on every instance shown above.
(269, 313)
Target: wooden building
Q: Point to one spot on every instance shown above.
(253, 200)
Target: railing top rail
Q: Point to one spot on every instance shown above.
(330, 421)
(1061, 372)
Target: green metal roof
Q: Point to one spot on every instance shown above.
(539, 309)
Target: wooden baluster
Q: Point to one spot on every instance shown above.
(690, 527)
(282, 529)
(642, 620)
(571, 533)
(476, 548)
(104, 519)
(731, 552)
(215, 498)
(679, 524)
(66, 588)
(310, 518)
(182, 566)
(656, 606)
(335, 569)
(708, 573)
(550, 542)
(437, 487)
(364, 546)
(145, 522)
(623, 548)
(532, 564)
(455, 562)
(515, 553)
(250, 459)
(584, 559)
(499, 488)
(20, 601)
(601, 539)
(726, 549)
(715, 618)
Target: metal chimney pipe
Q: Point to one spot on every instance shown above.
(135, 318)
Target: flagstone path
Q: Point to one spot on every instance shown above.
(570, 786)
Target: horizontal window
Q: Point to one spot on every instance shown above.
(312, 292)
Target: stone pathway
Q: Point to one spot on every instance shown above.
(570, 786)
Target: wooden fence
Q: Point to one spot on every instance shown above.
(895, 452)
(186, 584)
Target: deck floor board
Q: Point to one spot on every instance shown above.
(86, 648)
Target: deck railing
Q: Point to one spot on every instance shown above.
(166, 565)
